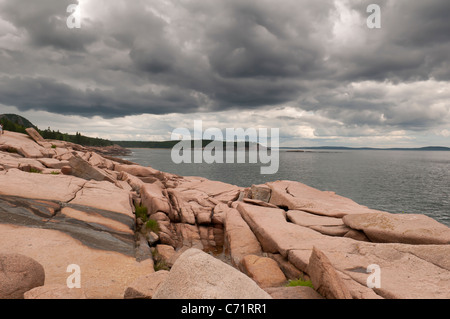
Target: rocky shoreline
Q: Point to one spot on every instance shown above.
(136, 232)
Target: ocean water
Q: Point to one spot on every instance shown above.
(416, 182)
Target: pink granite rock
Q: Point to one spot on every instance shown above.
(400, 228)
(297, 196)
(18, 274)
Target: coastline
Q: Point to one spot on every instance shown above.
(81, 207)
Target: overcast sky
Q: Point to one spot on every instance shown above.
(136, 70)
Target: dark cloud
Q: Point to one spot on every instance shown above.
(184, 57)
(44, 22)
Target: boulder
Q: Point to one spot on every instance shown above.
(145, 286)
(400, 228)
(82, 169)
(165, 253)
(35, 135)
(325, 278)
(263, 270)
(197, 275)
(18, 274)
(55, 292)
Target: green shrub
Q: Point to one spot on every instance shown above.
(34, 170)
(53, 146)
(161, 265)
(152, 225)
(141, 212)
(54, 173)
(300, 282)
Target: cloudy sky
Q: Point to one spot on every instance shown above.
(136, 70)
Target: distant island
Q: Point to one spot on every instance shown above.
(17, 123)
(426, 148)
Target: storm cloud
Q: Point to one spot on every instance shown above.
(318, 58)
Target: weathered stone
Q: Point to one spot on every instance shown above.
(52, 187)
(189, 235)
(55, 292)
(261, 192)
(34, 135)
(325, 278)
(400, 228)
(239, 237)
(18, 274)
(99, 161)
(274, 233)
(297, 196)
(219, 214)
(145, 286)
(197, 275)
(154, 199)
(214, 189)
(297, 292)
(112, 198)
(83, 169)
(263, 270)
(165, 253)
(23, 145)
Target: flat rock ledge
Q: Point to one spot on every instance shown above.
(134, 232)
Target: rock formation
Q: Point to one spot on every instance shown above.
(136, 232)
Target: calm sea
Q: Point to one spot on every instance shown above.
(392, 181)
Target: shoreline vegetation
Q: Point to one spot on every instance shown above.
(135, 232)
